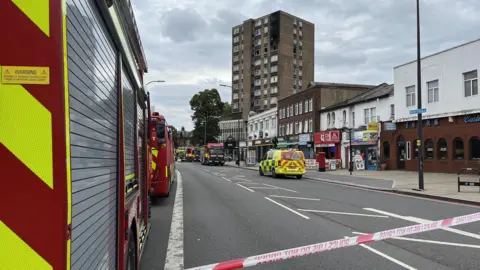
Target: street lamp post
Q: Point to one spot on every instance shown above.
(238, 129)
(419, 105)
(350, 168)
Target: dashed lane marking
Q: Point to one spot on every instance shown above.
(340, 213)
(245, 187)
(288, 208)
(286, 189)
(226, 179)
(296, 198)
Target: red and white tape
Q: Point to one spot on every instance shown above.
(291, 253)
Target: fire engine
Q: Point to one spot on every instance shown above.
(163, 157)
(212, 154)
(73, 136)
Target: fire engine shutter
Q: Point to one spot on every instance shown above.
(129, 130)
(93, 73)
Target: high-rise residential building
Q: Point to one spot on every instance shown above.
(272, 58)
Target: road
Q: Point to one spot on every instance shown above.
(231, 213)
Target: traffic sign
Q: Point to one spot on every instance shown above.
(417, 111)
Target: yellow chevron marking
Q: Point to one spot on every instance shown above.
(30, 142)
(16, 254)
(154, 165)
(38, 11)
(130, 176)
(155, 152)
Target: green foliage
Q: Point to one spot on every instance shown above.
(208, 107)
(227, 109)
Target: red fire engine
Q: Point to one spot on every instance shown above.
(163, 161)
(73, 136)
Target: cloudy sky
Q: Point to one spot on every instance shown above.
(188, 42)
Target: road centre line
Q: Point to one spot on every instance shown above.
(263, 188)
(386, 256)
(286, 189)
(341, 213)
(421, 220)
(288, 208)
(226, 179)
(296, 198)
(430, 241)
(242, 179)
(245, 187)
(175, 253)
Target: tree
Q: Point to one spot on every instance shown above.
(227, 110)
(208, 108)
(182, 136)
(174, 136)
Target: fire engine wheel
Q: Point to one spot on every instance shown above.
(132, 252)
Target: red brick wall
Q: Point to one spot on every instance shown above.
(446, 130)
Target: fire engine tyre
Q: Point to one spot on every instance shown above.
(299, 176)
(132, 252)
(260, 171)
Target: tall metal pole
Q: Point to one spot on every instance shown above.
(419, 97)
(238, 140)
(205, 135)
(350, 168)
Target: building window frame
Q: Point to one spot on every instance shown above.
(458, 149)
(410, 94)
(433, 91)
(470, 83)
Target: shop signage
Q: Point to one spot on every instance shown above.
(471, 119)
(303, 139)
(370, 135)
(327, 137)
(390, 126)
(372, 126)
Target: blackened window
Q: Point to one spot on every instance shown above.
(415, 148)
(475, 148)
(442, 149)
(386, 150)
(458, 149)
(429, 149)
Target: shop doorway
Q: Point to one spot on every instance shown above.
(401, 152)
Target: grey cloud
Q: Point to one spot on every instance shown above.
(183, 25)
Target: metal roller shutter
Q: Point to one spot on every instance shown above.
(129, 130)
(93, 87)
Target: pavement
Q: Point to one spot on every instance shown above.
(437, 185)
(231, 213)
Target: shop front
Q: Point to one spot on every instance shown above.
(305, 144)
(365, 148)
(329, 143)
(261, 147)
(289, 141)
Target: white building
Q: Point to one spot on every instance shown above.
(231, 128)
(361, 114)
(451, 125)
(262, 128)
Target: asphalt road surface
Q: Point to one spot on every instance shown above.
(231, 213)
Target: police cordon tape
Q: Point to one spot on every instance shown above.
(291, 253)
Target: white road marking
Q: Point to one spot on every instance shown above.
(421, 220)
(288, 208)
(387, 257)
(341, 213)
(286, 189)
(243, 179)
(175, 256)
(226, 179)
(263, 187)
(430, 241)
(296, 198)
(245, 183)
(245, 187)
(239, 176)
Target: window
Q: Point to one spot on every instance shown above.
(470, 82)
(274, 122)
(310, 104)
(274, 58)
(392, 111)
(433, 95)
(305, 126)
(415, 149)
(353, 119)
(366, 113)
(273, 79)
(306, 106)
(274, 69)
(474, 148)
(296, 109)
(235, 96)
(288, 112)
(300, 129)
(373, 115)
(386, 150)
(458, 149)
(333, 119)
(300, 108)
(310, 125)
(265, 102)
(296, 128)
(410, 93)
(429, 149)
(408, 149)
(442, 152)
(273, 90)
(265, 29)
(291, 110)
(236, 30)
(273, 100)
(344, 118)
(235, 49)
(328, 120)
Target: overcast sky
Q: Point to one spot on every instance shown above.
(188, 42)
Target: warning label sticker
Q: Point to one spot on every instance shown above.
(25, 75)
